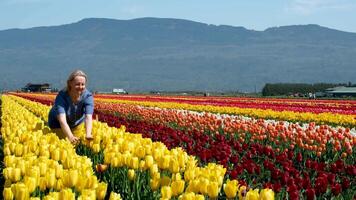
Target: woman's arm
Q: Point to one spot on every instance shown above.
(65, 128)
(88, 126)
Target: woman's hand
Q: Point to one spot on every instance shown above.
(89, 137)
(73, 139)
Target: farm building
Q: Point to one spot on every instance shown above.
(30, 87)
(341, 91)
(119, 91)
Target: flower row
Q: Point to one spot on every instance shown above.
(124, 149)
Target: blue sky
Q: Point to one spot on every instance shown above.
(251, 14)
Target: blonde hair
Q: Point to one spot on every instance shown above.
(72, 76)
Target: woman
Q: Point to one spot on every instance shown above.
(73, 106)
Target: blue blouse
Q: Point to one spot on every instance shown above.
(75, 112)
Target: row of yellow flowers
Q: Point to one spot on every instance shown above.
(36, 160)
(186, 179)
(321, 118)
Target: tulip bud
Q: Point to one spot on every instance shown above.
(73, 177)
(15, 174)
(87, 195)
(42, 183)
(7, 194)
(213, 189)
(59, 185)
(142, 165)
(114, 196)
(21, 192)
(164, 162)
(131, 174)
(101, 168)
(140, 152)
(30, 183)
(101, 190)
(96, 148)
(43, 168)
(252, 195)
(230, 188)
(18, 150)
(177, 187)
(66, 194)
(55, 154)
(267, 194)
(154, 183)
(51, 178)
(174, 166)
(149, 161)
(134, 163)
(9, 161)
(166, 192)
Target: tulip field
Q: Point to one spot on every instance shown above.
(182, 147)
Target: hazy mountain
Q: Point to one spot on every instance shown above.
(172, 54)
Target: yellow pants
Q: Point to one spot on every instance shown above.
(77, 131)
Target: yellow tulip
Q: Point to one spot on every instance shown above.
(96, 148)
(252, 195)
(73, 177)
(15, 174)
(174, 166)
(213, 189)
(18, 150)
(101, 190)
(148, 161)
(21, 192)
(134, 163)
(164, 162)
(230, 188)
(177, 187)
(55, 154)
(203, 185)
(7, 194)
(166, 192)
(92, 182)
(30, 183)
(59, 171)
(140, 152)
(153, 169)
(66, 194)
(176, 177)
(43, 168)
(114, 196)
(7, 151)
(87, 195)
(42, 183)
(142, 165)
(199, 197)
(267, 194)
(59, 185)
(131, 174)
(9, 161)
(51, 178)
(154, 184)
(63, 155)
(189, 175)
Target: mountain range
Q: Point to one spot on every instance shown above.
(161, 54)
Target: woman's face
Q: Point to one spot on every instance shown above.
(77, 85)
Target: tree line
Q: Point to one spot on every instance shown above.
(278, 89)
